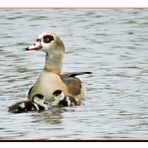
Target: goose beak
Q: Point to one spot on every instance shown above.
(35, 46)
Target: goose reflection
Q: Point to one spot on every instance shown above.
(52, 116)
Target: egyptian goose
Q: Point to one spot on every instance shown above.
(59, 99)
(37, 104)
(51, 77)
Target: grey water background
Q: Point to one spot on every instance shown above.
(113, 44)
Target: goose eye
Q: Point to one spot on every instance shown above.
(48, 38)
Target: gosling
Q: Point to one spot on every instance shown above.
(37, 104)
(59, 99)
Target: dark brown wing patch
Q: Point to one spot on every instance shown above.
(73, 84)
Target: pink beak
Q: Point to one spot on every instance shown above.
(35, 46)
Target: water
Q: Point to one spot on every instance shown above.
(110, 43)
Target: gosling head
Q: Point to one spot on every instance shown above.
(58, 96)
(39, 100)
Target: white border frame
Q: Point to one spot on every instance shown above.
(74, 3)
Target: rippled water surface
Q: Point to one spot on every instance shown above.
(113, 44)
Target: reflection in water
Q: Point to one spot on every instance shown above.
(52, 116)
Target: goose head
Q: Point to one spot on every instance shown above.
(54, 48)
(47, 42)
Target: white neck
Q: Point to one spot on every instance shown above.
(54, 61)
